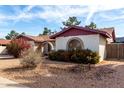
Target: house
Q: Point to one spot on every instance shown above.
(43, 43)
(76, 37)
(111, 31)
(120, 40)
(3, 44)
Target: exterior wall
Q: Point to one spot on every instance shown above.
(109, 40)
(102, 48)
(89, 41)
(95, 43)
(3, 50)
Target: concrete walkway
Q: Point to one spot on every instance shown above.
(5, 83)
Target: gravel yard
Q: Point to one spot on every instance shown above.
(60, 75)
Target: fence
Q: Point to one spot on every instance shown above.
(115, 50)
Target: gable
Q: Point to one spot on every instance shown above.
(75, 32)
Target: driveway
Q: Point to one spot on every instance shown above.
(5, 56)
(5, 83)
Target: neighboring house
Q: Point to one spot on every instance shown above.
(120, 40)
(76, 37)
(3, 44)
(111, 31)
(43, 43)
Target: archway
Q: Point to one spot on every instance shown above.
(75, 44)
(47, 47)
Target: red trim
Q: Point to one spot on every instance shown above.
(89, 31)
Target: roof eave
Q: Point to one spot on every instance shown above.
(95, 31)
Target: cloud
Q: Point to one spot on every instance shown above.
(107, 17)
(18, 14)
(24, 14)
(103, 6)
(61, 13)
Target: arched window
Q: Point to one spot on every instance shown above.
(75, 44)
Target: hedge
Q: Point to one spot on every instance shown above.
(79, 56)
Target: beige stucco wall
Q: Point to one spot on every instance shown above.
(90, 42)
(109, 40)
(3, 50)
(102, 47)
(95, 43)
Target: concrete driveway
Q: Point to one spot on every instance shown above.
(7, 63)
(5, 56)
(5, 83)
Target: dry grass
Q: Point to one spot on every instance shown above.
(57, 74)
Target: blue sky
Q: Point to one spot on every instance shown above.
(32, 19)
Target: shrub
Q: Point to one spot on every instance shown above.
(85, 57)
(60, 55)
(30, 58)
(16, 47)
(79, 56)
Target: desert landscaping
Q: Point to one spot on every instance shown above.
(51, 74)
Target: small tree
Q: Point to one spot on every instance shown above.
(91, 26)
(16, 46)
(46, 31)
(71, 21)
(12, 34)
(23, 33)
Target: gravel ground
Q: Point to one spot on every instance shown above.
(107, 74)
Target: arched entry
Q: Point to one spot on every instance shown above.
(47, 47)
(75, 44)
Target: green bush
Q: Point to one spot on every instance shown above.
(85, 57)
(60, 55)
(78, 56)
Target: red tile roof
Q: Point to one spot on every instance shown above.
(4, 42)
(37, 38)
(96, 31)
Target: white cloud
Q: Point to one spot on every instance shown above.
(18, 15)
(61, 13)
(112, 17)
(24, 14)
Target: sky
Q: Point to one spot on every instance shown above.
(31, 19)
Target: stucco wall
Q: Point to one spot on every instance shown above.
(102, 47)
(95, 43)
(3, 50)
(90, 42)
